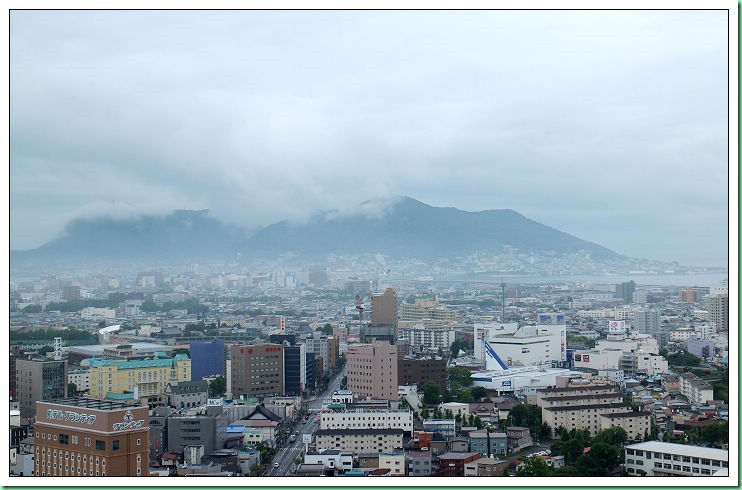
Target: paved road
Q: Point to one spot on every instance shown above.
(293, 450)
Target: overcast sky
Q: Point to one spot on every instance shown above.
(611, 126)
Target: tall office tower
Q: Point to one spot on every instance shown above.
(625, 291)
(719, 312)
(372, 370)
(310, 374)
(39, 380)
(89, 437)
(384, 308)
(71, 293)
(688, 295)
(15, 354)
(293, 357)
(647, 321)
(257, 370)
(207, 359)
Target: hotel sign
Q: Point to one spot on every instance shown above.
(128, 423)
(70, 416)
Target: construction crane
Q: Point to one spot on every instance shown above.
(359, 307)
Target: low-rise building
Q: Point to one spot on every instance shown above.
(445, 427)
(486, 467)
(394, 462)
(479, 443)
(334, 459)
(519, 438)
(453, 464)
(655, 458)
(187, 394)
(419, 463)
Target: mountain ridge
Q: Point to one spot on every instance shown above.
(404, 227)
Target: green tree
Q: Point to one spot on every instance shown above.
(217, 387)
(479, 392)
(326, 329)
(600, 460)
(181, 350)
(431, 393)
(534, 467)
(461, 375)
(71, 389)
(715, 434)
(424, 413)
(32, 309)
(613, 436)
(465, 396)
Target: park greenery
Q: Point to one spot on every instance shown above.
(599, 455)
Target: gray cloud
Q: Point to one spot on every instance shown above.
(609, 125)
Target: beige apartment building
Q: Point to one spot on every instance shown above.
(586, 417)
(359, 441)
(636, 424)
(372, 370)
(571, 391)
(426, 309)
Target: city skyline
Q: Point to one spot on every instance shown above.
(610, 126)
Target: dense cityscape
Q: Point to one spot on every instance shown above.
(267, 370)
(493, 245)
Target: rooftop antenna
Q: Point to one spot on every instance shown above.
(502, 286)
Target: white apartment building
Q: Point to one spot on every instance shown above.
(655, 458)
(636, 424)
(423, 337)
(681, 334)
(367, 419)
(651, 364)
(80, 376)
(598, 359)
(624, 313)
(697, 390)
(600, 313)
(331, 458)
(359, 441)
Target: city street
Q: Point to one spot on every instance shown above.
(288, 454)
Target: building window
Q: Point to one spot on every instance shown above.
(100, 445)
(115, 445)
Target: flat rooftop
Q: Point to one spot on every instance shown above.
(91, 403)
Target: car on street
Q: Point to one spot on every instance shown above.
(276, 465)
